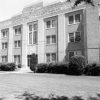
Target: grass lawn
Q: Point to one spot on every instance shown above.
(45, 84)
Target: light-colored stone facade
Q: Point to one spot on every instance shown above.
(31, 32)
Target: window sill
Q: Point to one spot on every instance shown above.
(74, 23)
(50, 28)
(51, 44)
(17, 48)
(32, 44)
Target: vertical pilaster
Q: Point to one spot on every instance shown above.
(24, 45)
(10, 45)
(41, 41)
(61, 38)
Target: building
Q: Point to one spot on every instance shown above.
(52, 32)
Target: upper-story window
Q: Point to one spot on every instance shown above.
(4, 45)
(33, 32)
(75, 37)
(50, 23)
(5, 33)
(17, 30)
(51, 39)
(17, 44)
(74, 18)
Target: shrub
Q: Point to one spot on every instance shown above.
(92, 69)
(56, 68)
(33, 62)
(76, 65)
(41, 68)
(7, 67)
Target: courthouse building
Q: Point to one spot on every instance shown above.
(53, 32)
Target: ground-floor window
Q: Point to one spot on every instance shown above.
(51, 57)
(17, 59)
(4, 59)
(73, 53)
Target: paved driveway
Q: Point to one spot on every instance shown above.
(45, 84)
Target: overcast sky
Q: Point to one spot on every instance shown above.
(9, 8)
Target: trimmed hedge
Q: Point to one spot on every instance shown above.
(92, 69)
(56, 68)
(7, 67)
(76, 65)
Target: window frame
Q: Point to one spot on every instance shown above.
(51, 23)
(74, 37)
(51, 57)
(17, 44)
(33, 32)
(74, 19)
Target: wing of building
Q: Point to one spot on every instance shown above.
(53, 32)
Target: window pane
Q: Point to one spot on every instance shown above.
(77, 37)
(30, 38)
(71, 19)
(35, 37)
(48, 40)
(19, 43)
(15, 43)
(30, 27)
(35, 26)
(3, 34)
(48, 24)
(19, 31)
(77, 18)
(48, 57)
(6, 45)
(71, 54)
(54, 57)
(53, 38)
(71, 37)
(53, 23)
(16, 32)
(2, 45)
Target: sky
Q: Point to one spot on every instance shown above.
(9, 8)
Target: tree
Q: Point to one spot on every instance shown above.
(79, 1)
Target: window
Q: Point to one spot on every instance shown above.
(51, 23)
(33, 33)
(71, 19)
(71, 37)
(17, 59)
(77, 18)
(30, 38)
(17, 30)
(17, 44)
(51, 39)
(48, 23)
(74, 19)
(51, 57)
(35, 37)
(48, 40)
(4, 45)
(73, 53)
(54, 57)
(48, 58)
(5, 33)
(4, 59)
(75, 37)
